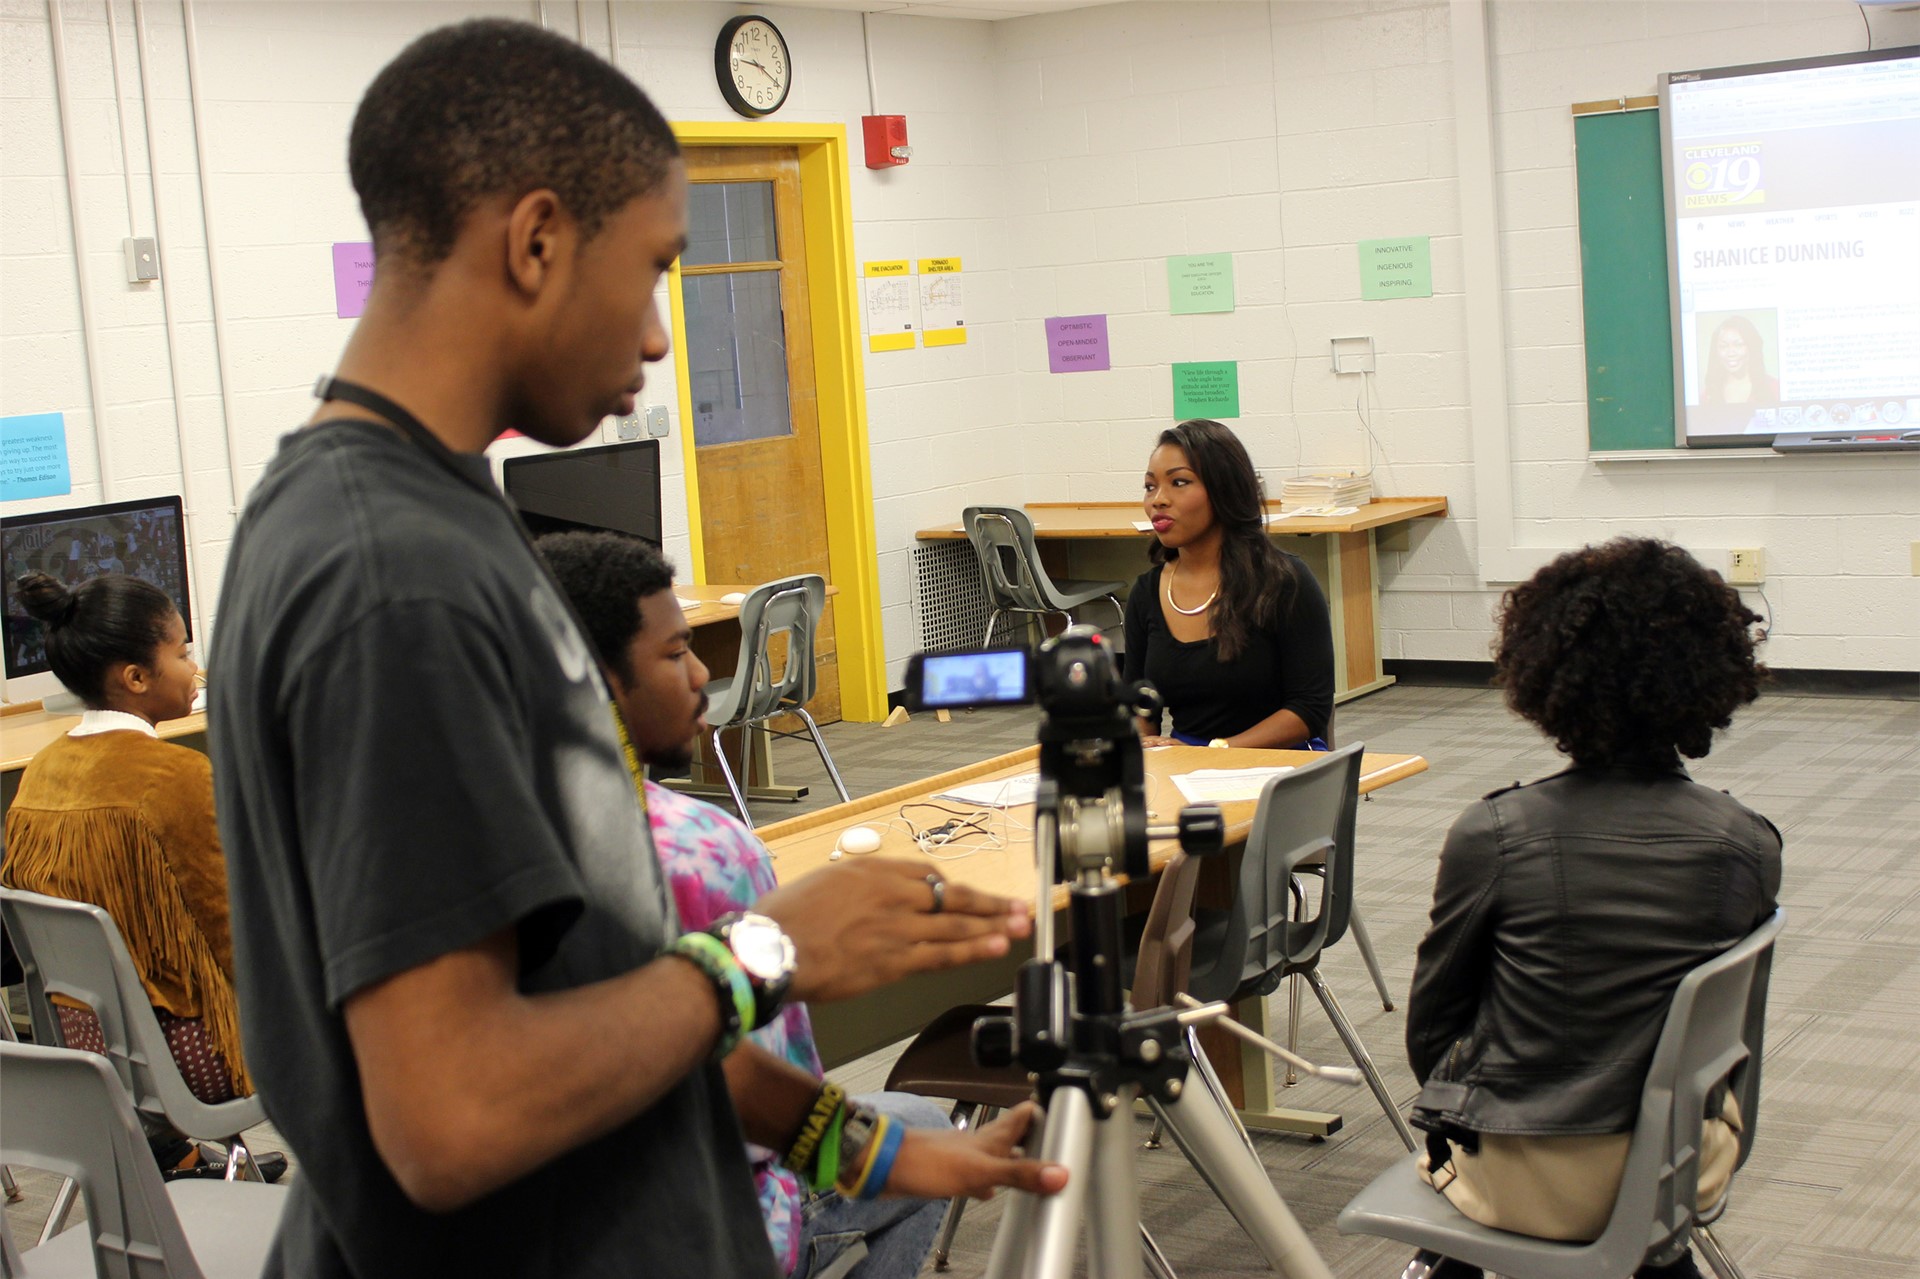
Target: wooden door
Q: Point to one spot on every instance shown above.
(749, 356)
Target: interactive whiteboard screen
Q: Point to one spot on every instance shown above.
(1793, 200)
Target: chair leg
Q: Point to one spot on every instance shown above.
(1717, 1259)
(1298, 892)
(1365, 943)
(978, 1116)
(733, 787)
(820, 744)
(1219, 1091)
(1154, 1134)
(1156, 1261)
(1361, 1057)
(993, 620)
(62, 1205)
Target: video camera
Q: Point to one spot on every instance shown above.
(1089, 750)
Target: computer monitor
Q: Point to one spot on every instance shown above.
(145, 538)
(615, 488)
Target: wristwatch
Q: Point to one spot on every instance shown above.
(764, 953)
(1220, 743)
(855, 1132)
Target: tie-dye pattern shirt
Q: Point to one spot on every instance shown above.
(715, 866)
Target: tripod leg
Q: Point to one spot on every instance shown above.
(1113, 1217)
(1037, 1235)
(1361, 1057)
(1205, 1133)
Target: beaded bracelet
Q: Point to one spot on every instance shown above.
(735, 993)
(826, 1112)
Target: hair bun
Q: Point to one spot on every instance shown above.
(46, 600)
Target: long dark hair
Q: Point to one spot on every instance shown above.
(103, 622)
(1714, 388)
(1257, 584)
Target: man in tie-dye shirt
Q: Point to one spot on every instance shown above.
(716, 866)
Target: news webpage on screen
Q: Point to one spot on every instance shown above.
(1795, 199)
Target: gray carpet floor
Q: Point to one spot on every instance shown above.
(1834, 1185)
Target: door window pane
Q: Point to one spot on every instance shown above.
(736, 357)
(730, 222)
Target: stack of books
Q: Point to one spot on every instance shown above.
(1329, 490)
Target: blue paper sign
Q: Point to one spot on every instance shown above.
(33, 456)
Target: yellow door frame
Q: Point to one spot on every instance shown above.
(826, 205)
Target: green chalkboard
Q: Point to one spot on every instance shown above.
(1623, 271)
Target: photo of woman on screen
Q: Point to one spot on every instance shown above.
(1735, 366)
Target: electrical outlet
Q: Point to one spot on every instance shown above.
(629, 427)
(1747, 566)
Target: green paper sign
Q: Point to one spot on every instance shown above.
(1207, 389)
(1401, 268)
(1200, 283)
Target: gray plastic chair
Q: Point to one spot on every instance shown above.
(751, 696)
(1016, 581)
(1305, 818)
(64, 1111)
(75, 949)
(1715, 1032)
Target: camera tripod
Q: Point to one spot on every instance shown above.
(1092, 1057)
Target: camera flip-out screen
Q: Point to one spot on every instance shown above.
(997, 677)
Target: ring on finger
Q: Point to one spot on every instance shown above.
(939, 887)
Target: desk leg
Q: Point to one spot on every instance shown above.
(1354, 600)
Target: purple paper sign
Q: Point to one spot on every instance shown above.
(352, 278)
(1077, 344)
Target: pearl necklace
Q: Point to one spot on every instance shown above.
(1173, 567)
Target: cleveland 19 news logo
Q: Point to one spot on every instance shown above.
(1721, 176)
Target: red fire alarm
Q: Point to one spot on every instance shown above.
(886, 140)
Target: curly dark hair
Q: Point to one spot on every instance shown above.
(109, 620)
(606, 575)
(1257, 582)
(1630, 650)
(495, 107)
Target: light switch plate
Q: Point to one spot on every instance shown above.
(657, 423)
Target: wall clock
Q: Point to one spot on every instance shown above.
(751, 62)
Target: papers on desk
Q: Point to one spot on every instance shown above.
(1315, 512)
(1143, 526)
(686, 606)
(1226, 785)
(1001, 792)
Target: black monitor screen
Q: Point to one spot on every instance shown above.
(615, 487)
(145, 538)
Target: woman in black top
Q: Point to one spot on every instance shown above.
(1232, 630)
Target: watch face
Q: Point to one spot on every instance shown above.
(752, 65)
(762, 949)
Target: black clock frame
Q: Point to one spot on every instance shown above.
(723, 67)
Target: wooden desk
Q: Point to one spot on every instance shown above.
(853, 1028)
(1097, 541)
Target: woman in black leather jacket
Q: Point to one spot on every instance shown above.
(1567, 910)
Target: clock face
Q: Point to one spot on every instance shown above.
(754, 70)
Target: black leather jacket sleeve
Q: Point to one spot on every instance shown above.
(1456, 956)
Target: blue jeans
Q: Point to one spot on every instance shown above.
(897, 1233)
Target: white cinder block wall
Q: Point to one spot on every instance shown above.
(1284, 132)
(1063, 157)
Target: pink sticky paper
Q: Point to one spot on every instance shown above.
(1077, 344)
(352, 278)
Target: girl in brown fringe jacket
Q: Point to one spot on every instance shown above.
(111, 815)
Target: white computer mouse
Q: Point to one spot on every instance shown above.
(734, 597)
(858, 839)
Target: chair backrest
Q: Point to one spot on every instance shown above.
(74, 949)
(789, 606)
(1715, 1033)
(1303, 815)
(1002, 538)
(64, 1111)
